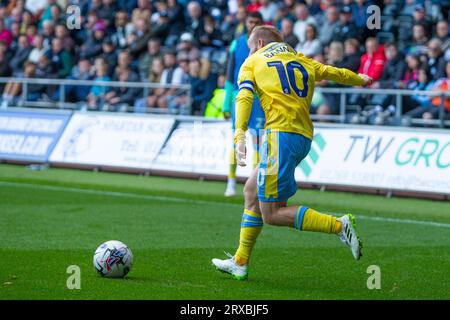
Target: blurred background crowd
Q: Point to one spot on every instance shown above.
(187, 42)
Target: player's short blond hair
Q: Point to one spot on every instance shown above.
(267, 33)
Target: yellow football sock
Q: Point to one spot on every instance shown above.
(232, 172)
(251, 227)
(308, 219)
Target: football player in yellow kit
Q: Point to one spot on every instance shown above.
(284, 82)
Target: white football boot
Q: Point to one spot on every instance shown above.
(348, 235)
(231, 188)
(231, 267)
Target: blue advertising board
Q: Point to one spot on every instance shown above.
(30, 135)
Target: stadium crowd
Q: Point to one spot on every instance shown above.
(186, 42)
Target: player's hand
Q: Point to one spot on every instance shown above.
(367, 80)
(241, 153)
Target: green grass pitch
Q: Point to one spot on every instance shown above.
(55, 218)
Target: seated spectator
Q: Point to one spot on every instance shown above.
(352, 56)
(411, 74)
(5, 69)
(268, 10)
(393, 70)
(61, 59)
(432, 110)
(21, 55)
(96, 96)
(76, 93)
(312, 45)
(283, 12)
(5, 34)
(122, 30)
(121, 98)
(11, 93)
(418, 45)
(372, 62)
(346, 28)
(146, 59)
(62, 33)
(48, 32)
(109, 53)
(303, 19)
(442, 33)
(210, 38)
(93, 46)
(176, 22)
(287, 29)
(435, 59)
(327, 28)
(195, 19)
(143, 34)
(423, 83)
(420, 18)
(172, 74)
(38, 49)
(186, 45)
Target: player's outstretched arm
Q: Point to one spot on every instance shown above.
(244, 102)
(340, 75)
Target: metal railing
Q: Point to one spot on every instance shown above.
(61, 84)
(345, 109)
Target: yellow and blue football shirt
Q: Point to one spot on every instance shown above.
(284, 82)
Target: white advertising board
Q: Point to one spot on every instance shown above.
(112, 140)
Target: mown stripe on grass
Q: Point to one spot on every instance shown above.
(199, 202)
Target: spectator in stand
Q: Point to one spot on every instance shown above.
(143, 34)
(146, 59)
(93, 46)
(435, 59)
(48, 32)
(283, 12)
(12, 89)
(423, 83)
(23, 51)
(62, 33)
(372, 62)
(96, 96)
(420, 17)
(287, 29)
(393, 72)
(195, 19)
(254, 5)
(176, 22)
(442, 33)
(38, 49)
(109, 53)
(107, 10)
(303, 20)
(418, 45)
(410, 77)
(143, 11)
(346, 29)
(121, 98)
(122, 30)
(432, 109)
(268, 11)
(326, 30)
(186, 45)
(61, 59)
(5, 69)
(172, 74)
(5, 34)
(210, 38)
(312, 46)
(77, 93)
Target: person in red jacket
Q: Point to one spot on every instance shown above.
(372, 62)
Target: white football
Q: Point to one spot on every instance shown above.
(113, 259)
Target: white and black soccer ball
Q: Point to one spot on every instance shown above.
(113, 259)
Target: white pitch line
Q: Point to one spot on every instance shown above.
(201, 202)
